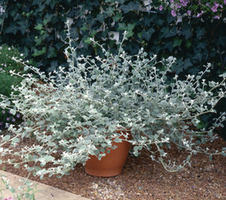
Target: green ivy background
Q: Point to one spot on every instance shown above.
(38, 27)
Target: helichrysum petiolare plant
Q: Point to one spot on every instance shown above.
(74, 113)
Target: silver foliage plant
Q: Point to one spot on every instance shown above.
(74, 113)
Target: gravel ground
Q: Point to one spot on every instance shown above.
(143, 179)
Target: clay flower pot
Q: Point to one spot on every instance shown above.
(112, 163)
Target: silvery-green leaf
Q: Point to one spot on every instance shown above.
(6, 138)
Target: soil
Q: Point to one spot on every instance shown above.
(144, 179)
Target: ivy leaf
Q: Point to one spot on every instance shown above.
(101, 17)
(36, 2)
(73, 12)
(52, 4)
(48, 1)
(117, 17)
(38, 40)
(23, 26)
(91, 20)
(52, 52)
(130, 6)
(212, 54)
(199, 32)
(194, 70)
(38, 27)
(59, 45)
(121, 26)
(187, 63)
(129, 28)
(198, 55)
(87, 40)
(41, 8)
(201, 45)
(177, 42)
(188, 44)
(54, 65)
(109, 11)
(94, 2)
(48, 17)
(147, 34)
(159, 22)
(182, 65)
(39, 52)
(167, 33)
(74, 32)
(169, 45)
(178, 68)
(93, 33)
(170, 18)
(148, 20)
(12, 29)
(186, 31)
(156, 48)
(13, 13)
(221, 41)
(121, 1)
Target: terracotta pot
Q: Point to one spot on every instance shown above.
(111, 164)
